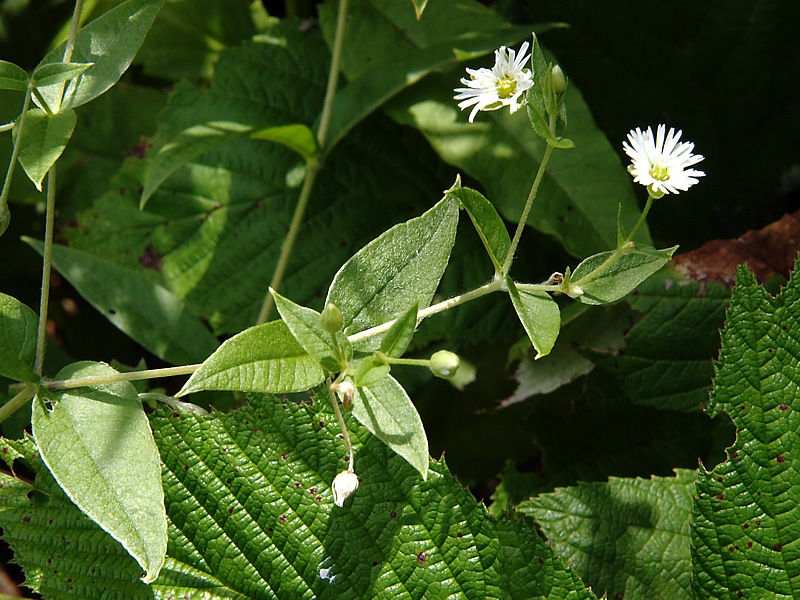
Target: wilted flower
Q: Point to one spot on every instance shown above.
(502, 85)
(662, 163)
(344, 484)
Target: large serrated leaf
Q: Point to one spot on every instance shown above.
(110, 43)
(265, 358)
(747, 514)
(400, 267)
(252, 516)
(97, 443)
(18, 325)
(147, 312)
(630, 537)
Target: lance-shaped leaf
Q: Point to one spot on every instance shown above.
(603, 281)
(110, 43)
(306, 327)
(146, 311)
(58, 72)
(12, 77)
(395, 341)
(747, 515)
(487, 222)
(385, 409)
(540, 316)
(537, 104)
(401, 267)
(264, 358)
(18, 326)
(97, 443)
(252, 516)
(43, 140)
(630, 537)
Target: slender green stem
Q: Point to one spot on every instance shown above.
(413, 362)
(15, 150)
(497, 284)
(74, 24)
(67, 384)
(47, 255)
(7, 127)
(523, 220)
(340, 418)
(312, 168)
(17, 402)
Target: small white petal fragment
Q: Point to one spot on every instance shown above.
(343, 486)
(347, 390)
(503, 85)
(661, 163)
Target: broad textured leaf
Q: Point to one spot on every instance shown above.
(747, 515)
(614, 282)
(43, 140)
(401, 266)
(97, 443)
(147, 312)
(265, 358)
(306, 327)
(667, 361)
(12, 77)
(251, 516)
(490, 227)
(396, 340)
(385, 409)
(18, 327)
(629, 537)
(109, 42)
(539, 315)
(57, 72)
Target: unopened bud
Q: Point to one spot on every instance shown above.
(343, 486)
(347, 390)
(444, 364)
(559, 80)
(332, 319)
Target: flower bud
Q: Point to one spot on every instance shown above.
(444, 364)
(559, 80)
(332, 319)
(347, 390)
(343, 486)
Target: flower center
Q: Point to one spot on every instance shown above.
(659, 173)
(506, 87)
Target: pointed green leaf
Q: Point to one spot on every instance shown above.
(97, 443)
(629, 537)
(12, 77)
(43, 141)
(370, 370)
(110, 43)
(747, 514)
(146, 311)
(306, 327)
(387, 412)
(603, 283)
(396, 340)
(540, 316)
(18, 326)
(487, 222)
(265, 358)
(58, 72)
(537, 105)
(402, 266)
(296, 137)
(252, 516)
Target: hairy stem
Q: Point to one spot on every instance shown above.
(312, 167)
(15, 150)
(17, 402)
(340, 418)
(67, 384)
(47, 256)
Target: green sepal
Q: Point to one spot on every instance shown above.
(396, 340)
(306, 327)
(617, 280)
(540, 316)
(265, 358)
(488, 223)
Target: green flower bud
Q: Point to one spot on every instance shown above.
(444, 364)
(332, 319)
(559, 80)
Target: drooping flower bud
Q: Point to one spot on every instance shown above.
(444, 364)
(347, 390)
(343, 486)
(332, 319)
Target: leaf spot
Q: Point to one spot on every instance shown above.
(783, 407)
(777, 547)
(422, 557)
(780, 458)
(720, 496)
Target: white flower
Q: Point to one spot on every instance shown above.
(502, 85)
(662, 164)
(344, 484)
